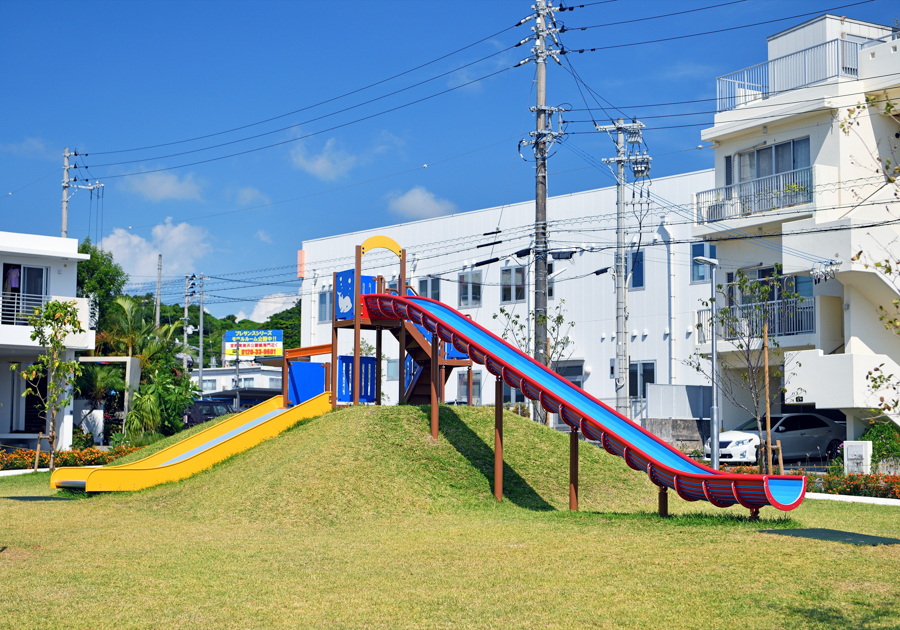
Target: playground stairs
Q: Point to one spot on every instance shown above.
(419, 348)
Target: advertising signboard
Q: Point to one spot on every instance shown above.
(264, 344)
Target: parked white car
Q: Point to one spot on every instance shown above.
(802, 435)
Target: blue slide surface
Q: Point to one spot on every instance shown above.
(620, 436)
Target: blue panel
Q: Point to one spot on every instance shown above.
(305, 381)
(452, 353)
(368, 285)
(343, 294)
(410, 371)
(367, 373)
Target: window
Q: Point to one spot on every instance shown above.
(511, 395)
(275, 383)
(512, 285)
(325, 304)
(462, 386)
(551, 283)
(810, 423)
(247, 382)
(393, 369)
(801, 285)
(470, 289)
(209, 384)
(637, 270)
(640, 374)
(699, 271)
(430, 288)
(772, 160)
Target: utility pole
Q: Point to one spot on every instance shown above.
(640, 167)
(66, 186)
(237, 376)
(188, 294)
(541, 139)
(65, 194)
(201, 333)
(158, 285)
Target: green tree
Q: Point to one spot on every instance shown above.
(96, 382)
(740, 368)
(50, 327)
(100, 277)
(559, 341)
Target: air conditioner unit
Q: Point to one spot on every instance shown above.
(858, 458)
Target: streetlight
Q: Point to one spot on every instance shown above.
(712, 263)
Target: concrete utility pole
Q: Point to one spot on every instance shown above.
(188, 294)
(158, 286)
(200, 378)
(65, 194)
(542, 138)
(640, 167)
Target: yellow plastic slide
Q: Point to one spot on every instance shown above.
(198, 452)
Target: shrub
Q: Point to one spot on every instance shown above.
(24, 458)
(81, 440)
(885, 439)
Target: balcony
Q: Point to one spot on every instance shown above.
(786, 318)
(835, 58)
(16, 308)
(783, 190)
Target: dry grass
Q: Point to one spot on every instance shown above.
(357, 519)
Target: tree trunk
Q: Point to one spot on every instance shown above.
(52, 434)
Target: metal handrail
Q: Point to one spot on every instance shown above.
(834, 58)
(796, 316)
(16, 308)
(783, 190)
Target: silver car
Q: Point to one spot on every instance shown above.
(802, 435)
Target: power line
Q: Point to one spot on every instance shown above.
(308, 107)
(652, 17)
(721, 30)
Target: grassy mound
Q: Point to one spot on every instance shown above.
(370, 461)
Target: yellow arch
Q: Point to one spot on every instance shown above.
(385, 242)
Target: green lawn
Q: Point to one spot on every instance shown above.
(357, 519)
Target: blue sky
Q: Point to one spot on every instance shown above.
(101, 77)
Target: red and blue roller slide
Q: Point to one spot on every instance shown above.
(620, 436)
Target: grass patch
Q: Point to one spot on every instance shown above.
(358, 519)
(162, 442)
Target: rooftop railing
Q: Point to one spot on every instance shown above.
(756, 195)
(835, 58)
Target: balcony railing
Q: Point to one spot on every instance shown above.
(785, 317)
(756, 195)
(835, 58)
(16, 308)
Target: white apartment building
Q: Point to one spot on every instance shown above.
(799, 192)
(253, 376)
(443, 255)
(35, 269)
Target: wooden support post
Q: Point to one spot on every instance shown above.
(378, 365)
(663, 501)
(470, 385)
(573, 469)
(754, 514)
(435, 373)
(285, 378)
(780, 458)
(334, 343)
(357, 307)
(328, 379)
(401, 289)
(37, 451)
(498, 436)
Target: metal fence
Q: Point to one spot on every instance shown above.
(835, 58)
(756, 195)
(16, 308)
(785, 317)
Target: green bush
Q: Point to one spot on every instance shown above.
(885, 439)
(81, 440)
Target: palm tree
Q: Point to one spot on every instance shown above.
(128, 327)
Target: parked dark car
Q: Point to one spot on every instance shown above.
(203, 410)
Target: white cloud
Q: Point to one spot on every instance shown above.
(268, 306)
(387, 141)
(263, 236)
(419, 203)
(249, 194)
(31, 148)
(330, 164)
(181, 245)
(162, 186)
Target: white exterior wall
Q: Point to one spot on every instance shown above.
(849, 201)
(223, 377)
(446, 245)
(59, 256)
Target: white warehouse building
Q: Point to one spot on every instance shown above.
(443, 253)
